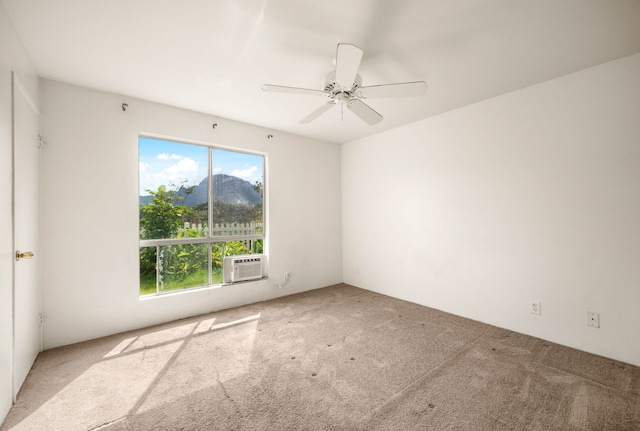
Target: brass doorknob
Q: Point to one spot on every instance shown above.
(25, 255)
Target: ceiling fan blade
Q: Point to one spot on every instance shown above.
(364, 111)
(295, 90)
(318, 112)
(348, 58)
(403, 89)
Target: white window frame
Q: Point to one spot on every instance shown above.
(210, 239)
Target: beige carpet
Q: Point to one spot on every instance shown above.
(338, 358)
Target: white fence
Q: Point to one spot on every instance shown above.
(226, 229)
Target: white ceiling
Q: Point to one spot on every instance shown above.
(212, 56)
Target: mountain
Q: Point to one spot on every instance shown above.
(226, 189)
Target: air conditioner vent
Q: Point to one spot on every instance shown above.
(243, 268)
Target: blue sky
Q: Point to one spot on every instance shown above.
(166, 163)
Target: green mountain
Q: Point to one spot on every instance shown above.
(226, 189)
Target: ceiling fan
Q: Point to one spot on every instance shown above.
(344, 87)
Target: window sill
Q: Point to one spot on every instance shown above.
(171, 293)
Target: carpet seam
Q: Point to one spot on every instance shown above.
(419, 380)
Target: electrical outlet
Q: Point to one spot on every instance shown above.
(286, 275)
(593, 319)
(534, 307)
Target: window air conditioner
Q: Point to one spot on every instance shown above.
(243, 268)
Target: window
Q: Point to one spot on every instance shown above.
(198, 204)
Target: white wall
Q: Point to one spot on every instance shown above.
(90, 212)
(531, 195)
(13, 57)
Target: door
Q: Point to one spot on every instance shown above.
(26, 286)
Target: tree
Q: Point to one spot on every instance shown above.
(259, 188)
(161, 218)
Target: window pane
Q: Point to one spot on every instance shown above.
(256, 246)
(217, 256)
(174, 189)
(184, 265)
(237, 193)
(147, 270)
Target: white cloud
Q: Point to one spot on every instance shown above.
(184, 166)
(185, 172)
(245, 173)
(167, 156)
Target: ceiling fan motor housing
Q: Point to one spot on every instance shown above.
(331, 86)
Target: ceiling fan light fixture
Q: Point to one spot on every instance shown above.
(342, 97)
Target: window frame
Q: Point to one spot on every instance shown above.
(210, 239)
